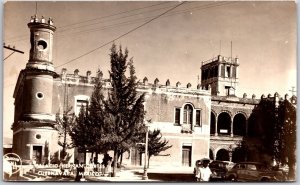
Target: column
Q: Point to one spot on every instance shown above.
(219, 71)
(216, 125)
(231, 127)
(246, 124)
(230, 154)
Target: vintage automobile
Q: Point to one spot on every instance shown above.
(220, 168)
(253, 171)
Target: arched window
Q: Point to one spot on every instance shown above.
(188, 114)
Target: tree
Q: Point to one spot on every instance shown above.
(275, 127)
(64, 126)
(81, 132)
(287, 129)
(155, 144)
(97, 116)
(124, 109)
(87, 132)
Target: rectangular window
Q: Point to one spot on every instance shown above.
(186, 155)
(79, 104)
(227, 72)
(198, 118)
(177, 116)
(227, 89)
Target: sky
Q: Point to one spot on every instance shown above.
(172, 46)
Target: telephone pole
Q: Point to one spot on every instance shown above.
(12, 49)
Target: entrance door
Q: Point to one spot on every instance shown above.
(37, 154)
(186, 155)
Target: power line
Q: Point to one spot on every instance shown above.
(211, 5)
(107, 16)
(113, 15)
(141, 19)
(12, 49)
(130, 31)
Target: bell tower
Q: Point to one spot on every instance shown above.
(34, 134)
(221, 74)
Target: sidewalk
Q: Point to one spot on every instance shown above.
(135, 174)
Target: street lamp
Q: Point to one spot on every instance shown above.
(145, 175)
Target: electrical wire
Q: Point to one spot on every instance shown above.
(130, 31)
(85, 21)
(140, 20)
(128, 22)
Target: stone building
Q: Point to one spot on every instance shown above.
(181, 113)
(232, 117)
(229, 114)
(33, 127)
(207, 121)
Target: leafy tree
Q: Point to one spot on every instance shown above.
(64, 126)
(124, 109)
(81, 132)
(275, 127)
(87, 132)
(97, 117)
(155, 144)
(287, 129)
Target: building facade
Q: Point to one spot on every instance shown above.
(181, 113)
(207, 121)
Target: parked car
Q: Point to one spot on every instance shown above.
(220, 168)
(253, 171)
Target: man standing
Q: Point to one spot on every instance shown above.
(204, 171)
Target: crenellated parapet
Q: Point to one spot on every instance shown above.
(276, 98)
(144, 85)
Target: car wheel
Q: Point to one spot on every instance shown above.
(265, 179)
(232, 178)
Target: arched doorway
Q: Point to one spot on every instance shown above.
(222, 155)
(224, 123)
(239, 125)
(212, 123)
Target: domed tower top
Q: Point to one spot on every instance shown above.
(41, 41)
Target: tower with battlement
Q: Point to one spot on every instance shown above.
(221, 74)
(34, 136)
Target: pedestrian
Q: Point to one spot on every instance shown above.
(204, 171)
(109, 163)
(96, 164)
(80, 172)
(197, 171)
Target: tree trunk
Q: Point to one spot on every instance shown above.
(121, 160)
(115, 162)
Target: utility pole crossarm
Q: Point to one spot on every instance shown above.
(13, 49)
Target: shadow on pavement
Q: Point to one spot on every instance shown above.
(170, 177)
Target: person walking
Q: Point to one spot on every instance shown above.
(197, 171)
(109, 163)
(204, 171)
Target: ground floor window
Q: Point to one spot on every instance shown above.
(186, 155)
